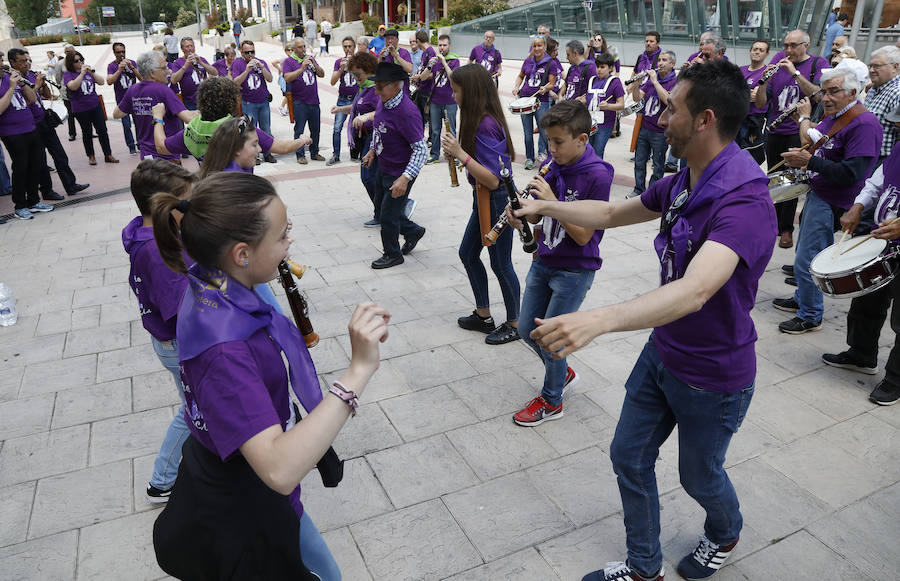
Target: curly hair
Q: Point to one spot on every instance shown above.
(217, 97)
(363, 61)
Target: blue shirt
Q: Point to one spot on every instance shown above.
(833, 31)
(376, 44)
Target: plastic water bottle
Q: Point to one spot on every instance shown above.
(8, 314)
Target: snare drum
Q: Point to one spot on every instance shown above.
(524, 106)
(788, 184)
(866, 268)
(597, 118)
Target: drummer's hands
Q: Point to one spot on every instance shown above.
(368, 328)
(804, 108)
(565, 334)
(539, 188)
(888, 230)
(850, 219)
(796, 157)
(451, 146)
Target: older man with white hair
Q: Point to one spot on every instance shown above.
(844, 148)
(884, 96)
(301, 73)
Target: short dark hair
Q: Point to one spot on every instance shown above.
(153, 176)
(250, 42)
(604, 58)
(575, 46)
(552, 44)
(843, 16)
(421, 36)
(719, 86)
(14, 54)
(444, 36)
(654, 34)
(573, 115)
(762, 40)
(115, 44)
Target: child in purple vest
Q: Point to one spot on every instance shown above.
(567, 255)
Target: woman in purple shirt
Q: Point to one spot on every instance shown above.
(81, 82)
(535, 79)
(235, 512)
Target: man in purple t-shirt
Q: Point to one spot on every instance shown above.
(252, 74)
(751, 136)
(838, 169)
(189, 71)
(121, 74)
(140, 98)
(650, 57)
(487, 55)
(442, 102)
(697, 370)
(398, 143)
(300, 73)
(799, 77)
(581, 69)
(654, 91)
(422, 76)
(347, 90)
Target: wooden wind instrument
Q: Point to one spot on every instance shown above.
(299, 308)
(454, 177)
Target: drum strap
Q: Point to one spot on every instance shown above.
(842, 122)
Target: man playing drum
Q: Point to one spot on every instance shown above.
(867, 312)
(848, 140)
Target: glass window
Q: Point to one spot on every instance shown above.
(639, 14)
(606, 14)
(753, 19)
(675, 19)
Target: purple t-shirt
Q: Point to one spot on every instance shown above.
(786, 93)
(713, 348)
(235, 390)
(593, 53)
(426, 86)
(126, 79)
(442, 93)
(139, 100)
(395, 131)
(193, 76)
(347, 87)
(609, 90)
(234, 167)
(254, 88)
(536, 75)
(490, 59)
(653, 106)
(556, 68)
(85, 98)
(37, 108)
(860, 138)
(577, 79)
(645, 61)
(889, 202)
(305, 88)
(752, 81)
(589, 178)
(223, 67)
(490, 147)
(175, 143)
(158, 289)
(17, 118)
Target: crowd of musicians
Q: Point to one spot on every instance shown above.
(205, 246)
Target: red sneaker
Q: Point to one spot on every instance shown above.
(537, 412)
(571, 380)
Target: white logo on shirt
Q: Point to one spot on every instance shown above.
(376, 139)
(788, 97)
(651, 107)
(18, 100)
(309, 77)
(535, 79)
(87, 86)
(253, 82)
(554, 233)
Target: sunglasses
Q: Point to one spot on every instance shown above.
(77, 61)
(248, 52)
(674, 211)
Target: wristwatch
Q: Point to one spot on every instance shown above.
(796, 74)
(802, 118)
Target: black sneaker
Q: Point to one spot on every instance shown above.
(53, 196)
(269, 158)
(78, 188)
(786, 305)
(885, 393)
(411, 242)
(157, 496)
(505, 333)
(847, 360)
(705, 561)
(387, 261)
(790, 280)
(787, 269)
(798, 326)
(474, 322)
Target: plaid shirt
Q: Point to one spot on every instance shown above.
(881, 101)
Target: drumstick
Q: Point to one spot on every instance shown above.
(869, 236)
(844, 235)
(783, 161)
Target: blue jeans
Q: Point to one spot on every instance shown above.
(647, 142)
(393, 221)
(165, 467)
(315, 553)
(655, 401)
(816, 234)
(339, 120)
(500, 255)
(261, 114)
(437, 124)
(304, 114)
(550, 292)
(598, 140)
(529, 120)
(129, 137)
(5, 181)
(367, 176)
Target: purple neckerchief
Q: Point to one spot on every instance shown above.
(557, 174)
(219, 309)
(673, 244)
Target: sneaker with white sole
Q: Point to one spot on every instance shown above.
(41, 207)
(705, 561)
(24, 214)
(847, 360)
(571, 380)
(409, 208)
(157, 495)
(798, 326)
(621, 571)
(536, 412)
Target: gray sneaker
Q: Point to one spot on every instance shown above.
(41, 207)
(332, 161)
(24, 214)
(410, 208)
(373, 223)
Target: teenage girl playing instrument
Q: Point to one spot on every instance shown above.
(235, 511)
(483, 141)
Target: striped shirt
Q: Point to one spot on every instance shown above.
(881, 101)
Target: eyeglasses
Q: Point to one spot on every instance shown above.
(833, 91)
(794, 44)
(674, 211)
(248, 52)
(703, 55)
(878, 66)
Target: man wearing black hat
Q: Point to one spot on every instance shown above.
(391, 53)
(399, 144)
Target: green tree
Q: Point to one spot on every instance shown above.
(463, 10)
(28, 14)
(126, 11)
(153, 9)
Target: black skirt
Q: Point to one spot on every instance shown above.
(223, 522)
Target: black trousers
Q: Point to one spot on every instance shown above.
(776, 145)
(71, 118)
(93, 117)
(864, 323)
(51, 143)
(422, 101)
(26, 153)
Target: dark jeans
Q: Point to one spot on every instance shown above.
(339, 120)
(864, 323)
(304, 114)
(129, 136)
(649, 142)
(71, 118)
(776, 145)
(422, 101)
(93, 117)
(500, 255)
(655, 401)
(26, 152)
(50, 140)
(367, 176)
(393, 221)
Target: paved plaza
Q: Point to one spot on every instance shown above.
(439, 482)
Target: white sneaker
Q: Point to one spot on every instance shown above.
(283, 110)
